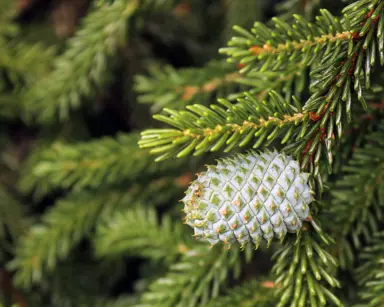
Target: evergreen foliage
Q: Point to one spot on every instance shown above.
(306, 271)
(53, 239)
(81, 70)
(252, 293)
(91, 189)
(196, 278)
(168, 87)
(100, 163)
(224, 125)
(146, 237)
(359, 214)
(372, 282)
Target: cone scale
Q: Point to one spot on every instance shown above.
(248, 198)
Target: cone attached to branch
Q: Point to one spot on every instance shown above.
(248, 198)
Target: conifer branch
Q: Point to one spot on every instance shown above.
(304, 271)
(370, 275)
(275, 48)
(62, 227)
(201, 129)
(144, 237)
(167, 87)
(291, 84)
(192, 281)
(336, 51)
(358, 197)
(25, 62)
(354, 137)
(107, 161)
(83, 68)
(20, 63)
(170, 88)
(252, 293)
(336, 58)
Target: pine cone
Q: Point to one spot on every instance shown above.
(248, 197)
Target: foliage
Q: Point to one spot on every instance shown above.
(53, 239)
(145, 236)
(301, 266)
(334, 48)
(90, 186)
(370, 274)
(250, 293)
(198, 276)
(81, 70)
(358, 214)
(20, 62)
(104, 162)
(168, 87)
(227, 124)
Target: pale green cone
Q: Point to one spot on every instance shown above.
(248, 197)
